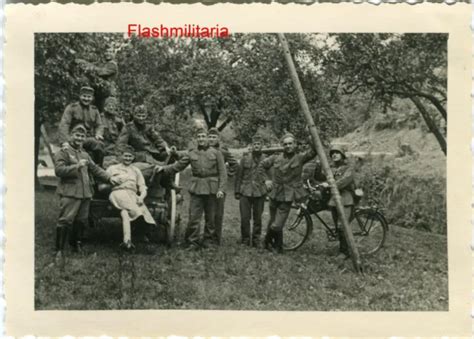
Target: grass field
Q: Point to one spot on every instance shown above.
(409, 274)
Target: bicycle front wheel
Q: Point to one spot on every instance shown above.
(297, 229)
(369, 230)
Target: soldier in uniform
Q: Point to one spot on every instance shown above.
(231, 163)
(285, 188)
(148, 144)
(344, 175)
(209, 177)
(75, 189)
(83, 112)
(250, 190)
(111, 121)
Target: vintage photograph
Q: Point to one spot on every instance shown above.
(270, 172)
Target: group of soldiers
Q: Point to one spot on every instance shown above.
(88, 138)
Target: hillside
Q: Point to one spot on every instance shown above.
(428, 160)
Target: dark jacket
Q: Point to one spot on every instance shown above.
(208, 169)
(75, 182)
(248, 180)
(287, 183)
(344, 176)
(144, 139)
(76, 113)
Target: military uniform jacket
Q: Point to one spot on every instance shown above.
(75, 114)
(111, 131)
(344, 176)
(75, 182)
(208, 169)
(108, 71)
(248, 180)
(287, 183)
(229, 159)
(141, 138)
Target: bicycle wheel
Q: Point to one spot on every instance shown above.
(369, 230)
(297, 228)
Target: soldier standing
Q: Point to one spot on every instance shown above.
(231, 162)
(75, 189)
(250, 190)
(83, 112)
(209, 177)
(286, 187)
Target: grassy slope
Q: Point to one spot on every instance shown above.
(409, 274)
(429, 161)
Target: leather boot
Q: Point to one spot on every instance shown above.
(279, 241)
(268, 242)
(342, 243)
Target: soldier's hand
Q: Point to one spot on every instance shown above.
(220, 195)
(83, 162)
(159, 169)
(65, 146)
(269, 185)
(99, 137)
(237, 196)
(173, 150)
(325, 184)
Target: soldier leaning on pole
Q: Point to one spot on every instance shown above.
(83, 112)
(75, 189)
(231, 162)
(286, 187)
(250, 190)
(208, 181)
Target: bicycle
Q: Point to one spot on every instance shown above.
(368, 223)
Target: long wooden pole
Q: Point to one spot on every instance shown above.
(322, 155)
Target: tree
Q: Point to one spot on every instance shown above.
(408, 66)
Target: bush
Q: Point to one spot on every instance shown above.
(409, 201)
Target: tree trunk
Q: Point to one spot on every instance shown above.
(430, 123)
(37, 145)
(436, 104)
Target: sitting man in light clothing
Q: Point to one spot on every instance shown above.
(129, 195)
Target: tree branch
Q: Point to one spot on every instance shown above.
(430, 123)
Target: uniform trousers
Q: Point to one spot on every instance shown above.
(73, 213)
(251, 208)
(199, 204)
(279, 211)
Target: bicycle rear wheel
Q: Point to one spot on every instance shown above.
(369, 230)
(297, 229)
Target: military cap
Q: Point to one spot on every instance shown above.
(287, 135)
(200, 131)
(87, 90)
(79, 128)
(338, 148)
(110, 100)
(213, 131)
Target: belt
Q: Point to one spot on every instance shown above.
(200, 175)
